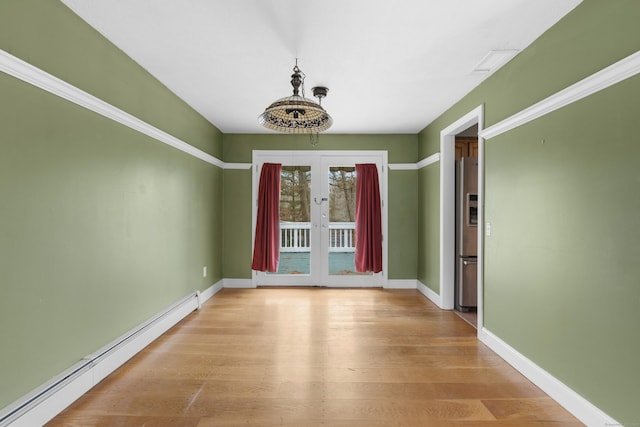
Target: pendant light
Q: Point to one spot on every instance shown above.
(297, 114)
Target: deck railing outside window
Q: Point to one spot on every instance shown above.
(296, 236)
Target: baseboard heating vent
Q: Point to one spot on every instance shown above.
(44, 403)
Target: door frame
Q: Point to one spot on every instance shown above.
(447, 210)
(303, 157)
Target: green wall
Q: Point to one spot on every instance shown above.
(428, 269)
(561, 284)
(402, 207)
(237, 220)
(101, 227)
(569, 207)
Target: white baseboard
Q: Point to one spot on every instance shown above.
(580, 407)
(391, 284)
(50, 399)
(211, 291)
(401, 284)
(429, 293)
(238, 283)
(44, 403)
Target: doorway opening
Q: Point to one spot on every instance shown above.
(466, 225)
(317, 218)
(448, 261)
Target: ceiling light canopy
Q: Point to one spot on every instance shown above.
(295, 113)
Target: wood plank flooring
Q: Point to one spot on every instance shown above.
(317, 357)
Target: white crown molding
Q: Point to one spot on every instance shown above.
(26, 72)
(580, 407)
(603, 79)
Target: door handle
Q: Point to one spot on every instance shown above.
(466, 262)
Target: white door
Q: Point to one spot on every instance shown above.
(317, 218)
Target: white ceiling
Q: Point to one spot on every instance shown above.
(390, 66)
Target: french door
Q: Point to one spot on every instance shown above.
(317, 217)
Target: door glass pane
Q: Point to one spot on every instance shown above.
(342, 214)
(295, 220)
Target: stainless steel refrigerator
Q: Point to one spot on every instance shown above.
(466, 293)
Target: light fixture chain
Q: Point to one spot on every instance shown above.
(304, 76)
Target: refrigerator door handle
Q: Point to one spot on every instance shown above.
(467, 262)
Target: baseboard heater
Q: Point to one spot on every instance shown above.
(44, 403)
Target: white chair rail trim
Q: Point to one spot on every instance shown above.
(434, 158)
(35, 76)
(26, 72)
(603, 79)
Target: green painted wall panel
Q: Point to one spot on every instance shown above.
(428, 268)
(403, 221)
(101, 227)
(561, 279)
(237, 224)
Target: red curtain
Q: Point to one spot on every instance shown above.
(266, 248)
(368, 255)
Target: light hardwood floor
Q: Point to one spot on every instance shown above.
(317, 357)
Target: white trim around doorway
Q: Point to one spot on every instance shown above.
(447, 208)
